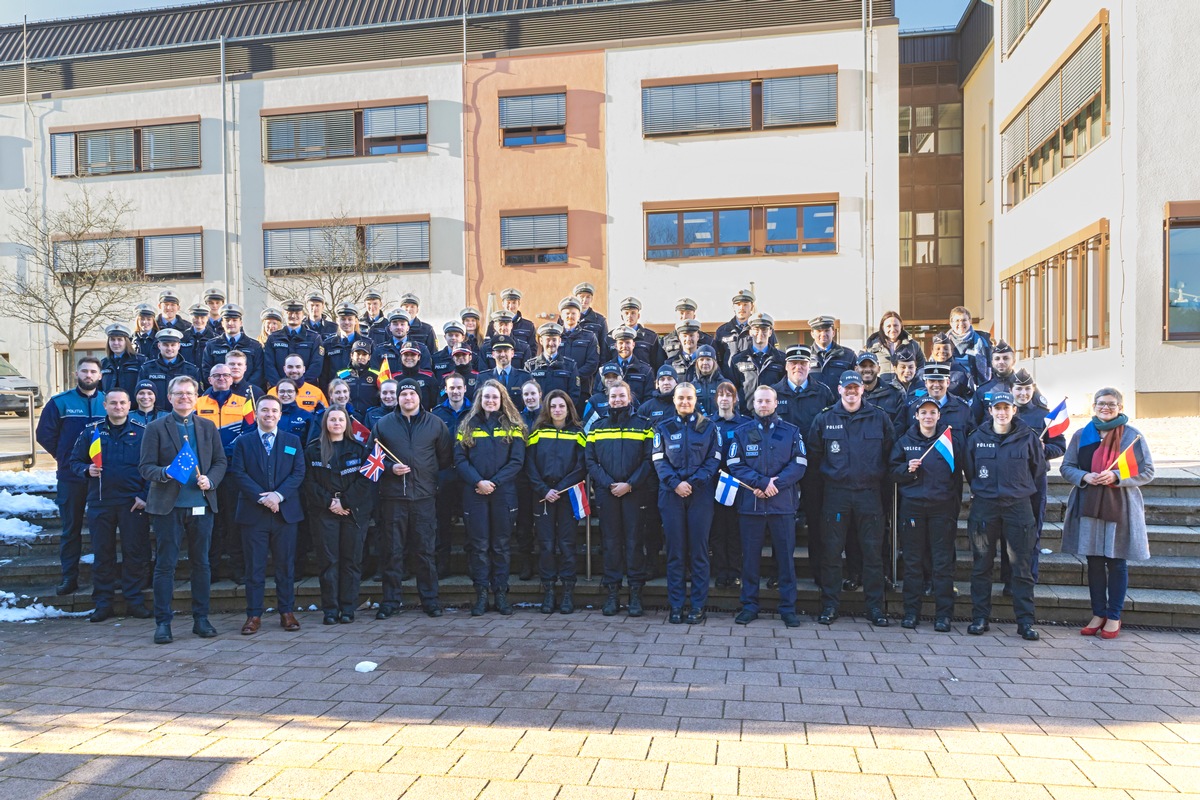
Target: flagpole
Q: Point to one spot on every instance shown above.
(1118, 458)
(587, 531)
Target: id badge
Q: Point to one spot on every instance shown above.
(198, 511)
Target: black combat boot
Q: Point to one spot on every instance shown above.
(547, 598)
(612, 605)
(502, 604)
(481, 605)
(635, 601)
(567, 606)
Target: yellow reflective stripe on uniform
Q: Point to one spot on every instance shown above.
(499, 434)
(620, 434)
(554, 433)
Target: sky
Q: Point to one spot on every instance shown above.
(913, 13)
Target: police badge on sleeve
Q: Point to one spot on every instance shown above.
(835, 447)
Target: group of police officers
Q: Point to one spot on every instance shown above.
(695, 444)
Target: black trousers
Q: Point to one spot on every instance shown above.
(103, 523)
(339, 559)
(725, 541)
(928, 528)
(408, 526)
(1014, 521)
(489, 519)
(856, 513)
(620, 528)
(556, 526)
(854, 554)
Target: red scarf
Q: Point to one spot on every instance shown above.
(1105, 502)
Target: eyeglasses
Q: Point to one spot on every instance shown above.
(220, 376)
(1107, 405)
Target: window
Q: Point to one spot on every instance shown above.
(533, 119)
(905, 130)
(534, 239)
(1016, 17)
(146, 255)
(346, 133)
(747, 104)
(138, 148)
(1057, 301)
(1066, 117)
(380, 245)
(1182, 250)
(925, 130)
(750, 231)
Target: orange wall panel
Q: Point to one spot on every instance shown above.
(567, 176)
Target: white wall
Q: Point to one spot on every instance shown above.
(798, 161)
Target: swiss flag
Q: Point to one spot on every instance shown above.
(359, 432)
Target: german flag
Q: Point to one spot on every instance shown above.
(1126, 464)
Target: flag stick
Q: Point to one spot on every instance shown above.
(1118, 458)
(587, 531)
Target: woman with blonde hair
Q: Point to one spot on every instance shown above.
(489, 455)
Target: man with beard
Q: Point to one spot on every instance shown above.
(671, 343)
(683, 345)
(830, 359)
(168, 366)
(1003, 377)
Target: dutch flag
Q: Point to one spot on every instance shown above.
(579, 500)
(1057, 421)
(727, 488)
(945, 447)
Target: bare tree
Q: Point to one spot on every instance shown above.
(332, 261)
(76, 267)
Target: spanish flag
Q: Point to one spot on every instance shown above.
(248, 417)
(385, 370)
(1126, 464)
(94, 452)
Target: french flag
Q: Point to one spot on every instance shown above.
(1057, 421)
(579, 500)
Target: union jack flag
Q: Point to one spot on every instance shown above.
(373, 468)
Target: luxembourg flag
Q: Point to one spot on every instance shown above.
(945, 447)
(727, 488)
(1057, 421)
(579, 500)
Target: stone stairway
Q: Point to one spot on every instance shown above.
(1164, 591)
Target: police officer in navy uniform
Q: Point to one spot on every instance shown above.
(168, 312)
(214, 298)
(430, 385)
(683, 343)
(634, 371)
(199, 335)
(763, 363)
(734, 336)
(338, 346)
(1005, 464)
(553, 370)
(767, 457)
(657, 408)
(578, 343)
(396, 336)
(373, 323)
(316, 321)
(686, 456)
(455, 335)
(1032, 408)
(942, 352)
(597, 405)
(169, 365)
(121, 366)
(143, 339)
(850, 444)
(522, 329)
(685, 308)
(418, 329)
(1003, 362)
(954, 410)
(364, 384)
(294, 338)
(906, 377)
(589, 318)
(502, 325)
(645, 341)
(232, 337)
(800, 398)
(830, 359)
(884, 394)
(464, 366)
(504, 373)
(116, 500)
(705, 375)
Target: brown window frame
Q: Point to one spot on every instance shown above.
(362, 143)
(136, 127)
(538, 254)
(758, 242)
(139, 253)
(1176, 215)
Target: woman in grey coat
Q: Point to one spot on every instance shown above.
(1106, 518)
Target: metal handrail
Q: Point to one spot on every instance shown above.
(26, 460)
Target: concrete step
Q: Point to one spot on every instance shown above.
(1067, 605)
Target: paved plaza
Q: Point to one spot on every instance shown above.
(591, 707)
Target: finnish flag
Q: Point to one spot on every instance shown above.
(727, 488)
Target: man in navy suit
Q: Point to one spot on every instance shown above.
(267, 469)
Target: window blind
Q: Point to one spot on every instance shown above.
(1083, 74)
(1044, 113)
(408, 120)
(398, 243)
(800, 100)
(178, 254)
(62, 155)
(696, 107)
(537, 110)
(104, 152)
(171, 146)
(1013, 140)
(296, 248)
(325, 134)
(107, 254)
(537, 232)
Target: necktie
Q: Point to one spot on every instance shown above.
(268, 441)
(504, 378)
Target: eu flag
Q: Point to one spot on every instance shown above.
(184, 465)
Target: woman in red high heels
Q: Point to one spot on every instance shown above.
(1106, 518)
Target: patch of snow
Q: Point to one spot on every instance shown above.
(17, 531)
(11, 612)
(34, 480)
(90, 558)
(312, 608)
(21, 505)
(365, 666)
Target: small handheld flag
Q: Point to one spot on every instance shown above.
(945, 447)
(248, 417)
(727, 488)
(94, 452)
(579, 500)
(385, 370)
(1057, 420)
(343, 374)
(1126, 464)
(184, 465)
(359, 432)
(373, 467)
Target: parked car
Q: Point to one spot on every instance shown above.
(12, 381)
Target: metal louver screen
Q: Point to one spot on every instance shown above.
(541, 231)
(108, 254)
(104, 152)
(398, 243)
(325, 134)
(62, 155)
(537, 110)
(410, 120)
(1083, 74)
(171, 146)
(1014, 19)
(1013, 147)
(696, 107)
(1044, 113)
(800, 100)
(179, 254)
(297, 248)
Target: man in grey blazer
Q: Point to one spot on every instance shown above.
(177, 508)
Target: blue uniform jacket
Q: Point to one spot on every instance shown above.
(121, 372)
(215, 350)
(554, 459)
(1034, 414)
(285, 342)
(762, 449)
(850, 450)
(1005, 469)
(121, 481)
(62, 420)
(160, 373)
(254, 472)
(497, 454)
(935, 481)
(687, 450)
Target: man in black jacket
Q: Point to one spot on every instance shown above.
(417, 445)
(233, 338)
